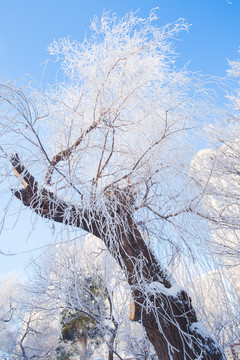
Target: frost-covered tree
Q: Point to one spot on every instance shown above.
(106, 149)
(10, 310)
(234, 72)
(27, 329)
(215, 172)
(73, 280)
(79, 296)
(37, 336)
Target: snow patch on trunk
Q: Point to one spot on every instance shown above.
(157, 287)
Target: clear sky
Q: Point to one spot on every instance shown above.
(27, 27)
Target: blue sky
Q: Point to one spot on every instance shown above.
(27, 27)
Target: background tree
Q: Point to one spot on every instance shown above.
(84, 318)
(27, 333)
(68, 279)
(215, 172)
(73, 281)
(112, 138)
(37, 336)
(10, 310)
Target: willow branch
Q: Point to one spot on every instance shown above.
(65, 154)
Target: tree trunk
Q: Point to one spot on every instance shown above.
(85, 338)
(113, 331)
(167, 316)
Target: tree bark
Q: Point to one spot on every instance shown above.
(113, 331)
(168, 318)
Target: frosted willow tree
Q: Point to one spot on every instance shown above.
(11, 309)
(216, 173)
(69, 282)
(105, 150)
